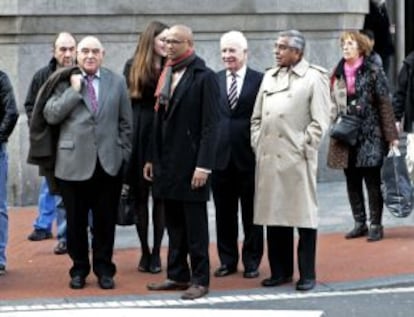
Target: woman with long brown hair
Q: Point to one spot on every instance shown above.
(142, 72)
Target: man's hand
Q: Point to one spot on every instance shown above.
(199, 179)
(76, 81)
(147, 171)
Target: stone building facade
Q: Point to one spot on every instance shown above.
(27, 29)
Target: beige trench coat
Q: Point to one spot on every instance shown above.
(290, 117)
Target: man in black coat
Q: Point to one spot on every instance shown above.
(233, 178)
(183, 146)
(403, 104)
(403, 99)
(378, 21)
(50, 206)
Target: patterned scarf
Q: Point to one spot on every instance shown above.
(164, 82)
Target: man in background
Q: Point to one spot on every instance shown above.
(50, 206)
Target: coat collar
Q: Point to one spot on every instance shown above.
(299, 69)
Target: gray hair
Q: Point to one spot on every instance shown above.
(296, 39)
(235, 36)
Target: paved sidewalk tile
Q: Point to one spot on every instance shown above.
(34, 272)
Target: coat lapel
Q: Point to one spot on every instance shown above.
(223, 87)
(245, 87)
(179, 92)
(104, 87)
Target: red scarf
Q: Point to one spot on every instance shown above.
(162, 91)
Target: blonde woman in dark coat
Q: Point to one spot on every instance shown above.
(360, 87)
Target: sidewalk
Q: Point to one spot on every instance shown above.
(36, 275)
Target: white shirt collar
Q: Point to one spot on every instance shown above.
(240, 73)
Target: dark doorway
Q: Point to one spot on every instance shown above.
(409, 26)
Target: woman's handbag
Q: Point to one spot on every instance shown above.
(346, 128)
(397, 189)
(126, 209)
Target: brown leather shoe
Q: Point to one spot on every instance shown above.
(168, 285)
(195, 291)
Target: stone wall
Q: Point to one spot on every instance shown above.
(27, 29)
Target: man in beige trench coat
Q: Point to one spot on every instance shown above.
(290, 117)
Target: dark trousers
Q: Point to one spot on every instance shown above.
(229, 187)
(355, 176)
(187, 227)
(100, 194)
(280, 246)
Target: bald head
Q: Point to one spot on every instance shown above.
(182, 31)
(178, 41)
(90, 54)
(88, 41)
(64, 49)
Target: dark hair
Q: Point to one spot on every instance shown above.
(142, 69)
(369, 33)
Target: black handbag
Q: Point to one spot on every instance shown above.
(346, 128)
(126, 210)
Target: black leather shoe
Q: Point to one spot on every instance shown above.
(276, 281)
(106, 282)
(61, 248)
(39, 234)
(375, 233)
(77, 282)
(360, 229)
(155, 264)
(305, 284)
(251, 274)
(224, 270)
(144, 263)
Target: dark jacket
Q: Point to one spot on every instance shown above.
(43, 136)
(185, 135)
(143, 119)
(378, 21)
(8, 109)
(378, 125)
(38, 80)
(403, 99)
(234, 127)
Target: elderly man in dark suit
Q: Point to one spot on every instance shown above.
(183, 157)
(233, 178)
(93, 113)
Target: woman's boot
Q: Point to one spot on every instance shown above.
(360, 229)
(375, 233)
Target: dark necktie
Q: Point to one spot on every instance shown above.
(91, 92)
(232, 94)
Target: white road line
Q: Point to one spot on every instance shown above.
(133, 312)
(206, 300)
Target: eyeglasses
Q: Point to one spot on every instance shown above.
(174, 42)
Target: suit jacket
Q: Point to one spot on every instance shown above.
(84, 136)
(234, 131)
(185, 135)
